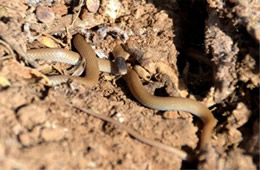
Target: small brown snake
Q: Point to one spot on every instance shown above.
(94, 65)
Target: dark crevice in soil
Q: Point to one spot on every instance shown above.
(189, 21)
(192, 16)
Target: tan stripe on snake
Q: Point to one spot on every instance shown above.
(94, 65)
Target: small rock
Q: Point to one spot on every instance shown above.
(239, 116)
(48, 42)
(45, 14)
(93, 5)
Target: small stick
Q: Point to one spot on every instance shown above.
(175, 151)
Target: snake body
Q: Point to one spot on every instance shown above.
(171, 103)
(94, 65)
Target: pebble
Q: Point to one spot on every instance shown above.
(93, 5)
(45, 14)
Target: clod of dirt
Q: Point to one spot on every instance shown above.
(45, 14)
(30, 138)
(238, 160)
(112, 8)
(239, 116)
(248, 72)
(59, 9)
(53, 134)
(17, 98)
(31, 115)
(242, 13)
(2, 11)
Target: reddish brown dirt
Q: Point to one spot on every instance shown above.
(207, 51)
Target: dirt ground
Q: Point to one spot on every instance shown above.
(205, 50)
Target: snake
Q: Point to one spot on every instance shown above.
(94, 65)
